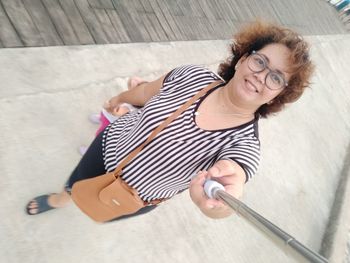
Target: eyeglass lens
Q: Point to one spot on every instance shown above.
(273, 80)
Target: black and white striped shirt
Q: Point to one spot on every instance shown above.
(165, 166)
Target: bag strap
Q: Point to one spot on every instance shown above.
(165, 123)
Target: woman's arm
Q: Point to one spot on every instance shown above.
(137, 96)
(226, 172)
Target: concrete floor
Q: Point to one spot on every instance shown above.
(45, 98)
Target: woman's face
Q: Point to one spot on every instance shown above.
(253, 88)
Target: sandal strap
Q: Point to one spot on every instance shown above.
(43, 205)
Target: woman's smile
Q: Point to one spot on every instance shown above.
(250, 86)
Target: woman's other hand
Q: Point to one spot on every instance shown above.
(226, 172)
(112, 105)
(138, 94)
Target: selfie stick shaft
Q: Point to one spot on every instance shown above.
(286, 242)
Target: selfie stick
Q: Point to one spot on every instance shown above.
(286, 242)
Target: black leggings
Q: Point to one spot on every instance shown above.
(92, 165)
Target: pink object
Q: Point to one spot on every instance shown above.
(104, 123)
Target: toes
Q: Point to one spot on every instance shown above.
(33, 211)
(32, 207)
(32, 204)
(39, 204)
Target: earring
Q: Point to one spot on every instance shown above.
(236, 67)
(270, 102)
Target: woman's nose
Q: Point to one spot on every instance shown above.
(261, 76)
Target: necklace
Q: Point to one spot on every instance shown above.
(197, 113)
(242, 115)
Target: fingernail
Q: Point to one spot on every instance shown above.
(210, 206)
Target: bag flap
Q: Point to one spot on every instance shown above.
(119, 194)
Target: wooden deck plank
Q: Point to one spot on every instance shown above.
(227, 13)
(80, 28)
(118, 25)
(185, 25)
(241, 10)
(189, 22)
(128, 23)
(107, 4)
(230, 10)
(91, 22)
(313, 21)
(215, 8)
(225, 29)
(62, 23)
(206, 10)
(43, 22)
(154, 23)
(21, 20)
(132, 22)
(141, 6)
(136, 11)
(191, 8)
(95, 4)
(101, 4)
(178, 35)
(107, 25)
(185, 8)
(213, 19)
(150, 29)
(147, 6)
(205, 28)
(267, 11)
(162, 20)
(173, 7)
(233, 27)
(29, 23)
(219, 9)
(8, 34)
(197, 28)
(197, 10)
(149, 20)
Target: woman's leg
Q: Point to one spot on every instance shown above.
(90, 165)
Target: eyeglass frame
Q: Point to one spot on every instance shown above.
(269, 69)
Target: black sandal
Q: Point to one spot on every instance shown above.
(43, 205)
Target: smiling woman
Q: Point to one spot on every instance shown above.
(298, 66)
(260, 77)
(216, 134)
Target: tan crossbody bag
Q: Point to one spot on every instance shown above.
(107, 196)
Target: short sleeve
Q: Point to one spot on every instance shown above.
(185, 74)
(246, 153)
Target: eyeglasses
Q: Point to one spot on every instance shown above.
(273, 80)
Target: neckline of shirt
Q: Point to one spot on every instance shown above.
(199, 102)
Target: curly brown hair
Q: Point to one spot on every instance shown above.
(259, 34)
